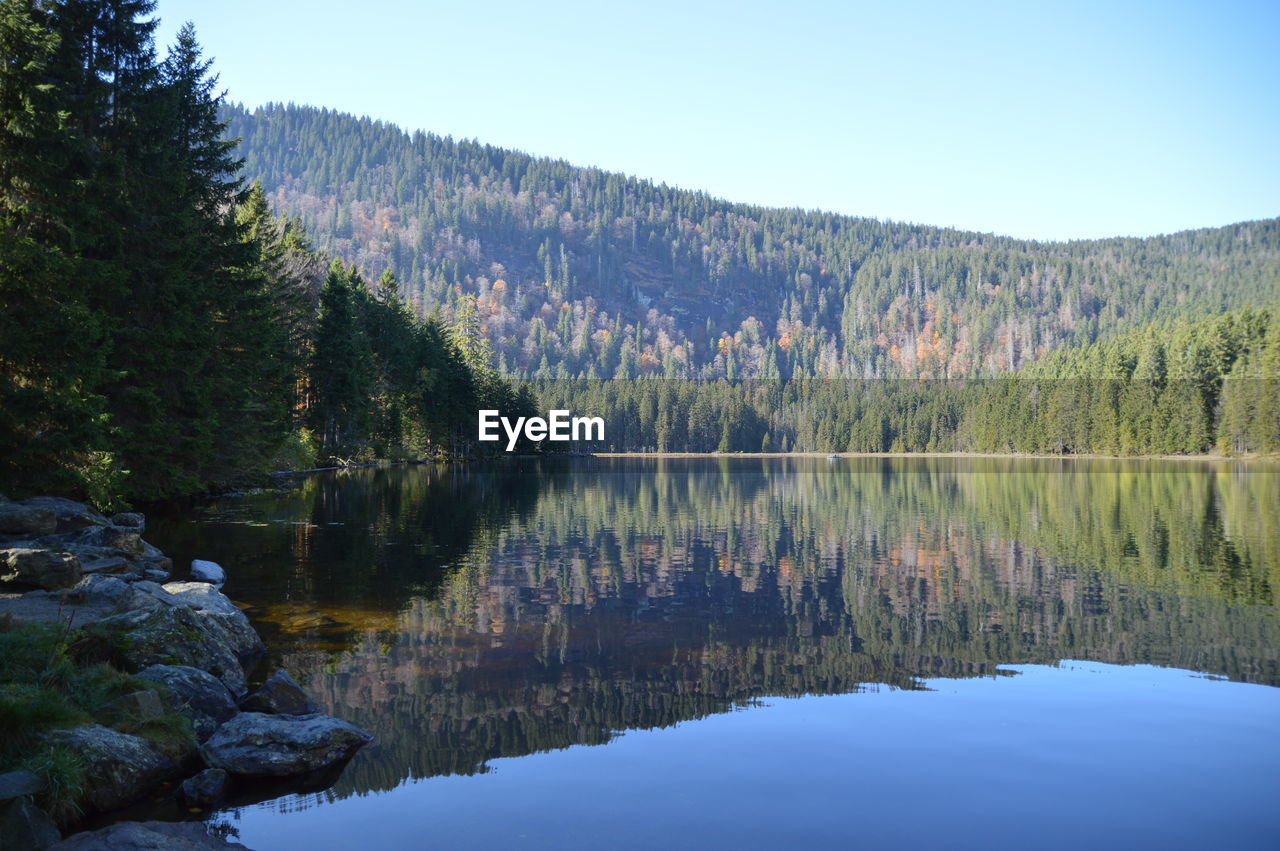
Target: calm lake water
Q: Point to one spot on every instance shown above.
(759, 653)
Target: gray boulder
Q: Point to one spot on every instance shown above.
(17, 519)
(146, 836)
(205, 789)
(280, 695)
(121, 768)
(45, 568)
(256, 745)
(198, 695)
(16, 784)
(24, 825)
(174, 635)
(69, 515)
(208, 571)
(213, 604)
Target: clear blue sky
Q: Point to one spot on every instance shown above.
(1037, 119)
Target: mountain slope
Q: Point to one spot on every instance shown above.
(580, 272)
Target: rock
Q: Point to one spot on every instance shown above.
(198, 695)
(69, 514)
(45, 568)
(100, 590)
(24, 825)
(280, 695)
(174, 635)
(120, 767)
(208, 571)
(205, 789)
(105, 564)
(131, 519)
(119, 538)
(15, 784)
(256, 745)
(212, 603)
(136, 706)
(146, 836)
(16, 519)
(156, 574)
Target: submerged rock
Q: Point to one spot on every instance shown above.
(45, 568)
(205, 789)
(191, 692)
(120, 767)
(253, 744)
(147, 836)
(280, 695)
(208, 571)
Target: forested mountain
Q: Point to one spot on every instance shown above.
(578, 272)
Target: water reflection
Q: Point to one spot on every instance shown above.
(469, 613)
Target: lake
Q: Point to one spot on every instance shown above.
(756, 652)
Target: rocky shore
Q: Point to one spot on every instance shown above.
(190, 650)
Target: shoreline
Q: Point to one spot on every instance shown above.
(1215, 458)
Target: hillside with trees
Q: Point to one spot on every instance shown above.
(581, 273)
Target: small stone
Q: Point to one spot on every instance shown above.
(205, 789)
(280, 695)
(208, 571)
(15, 784)
(131, 519)
(24, 825)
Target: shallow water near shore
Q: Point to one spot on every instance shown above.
(752, 652)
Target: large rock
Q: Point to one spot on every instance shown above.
(24, 825)
(208, 571)
(45, 568)
(205, 789)
(146, 836)
(120, 767)
(69, 515)
(16, 519)
(16, 784)
(280, 695)
(256, 745)
(200, 696)
(212, 603)
(174, 635)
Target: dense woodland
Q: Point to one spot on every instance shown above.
(161, 331)
(1178, 387)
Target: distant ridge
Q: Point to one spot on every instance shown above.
(579, 272)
